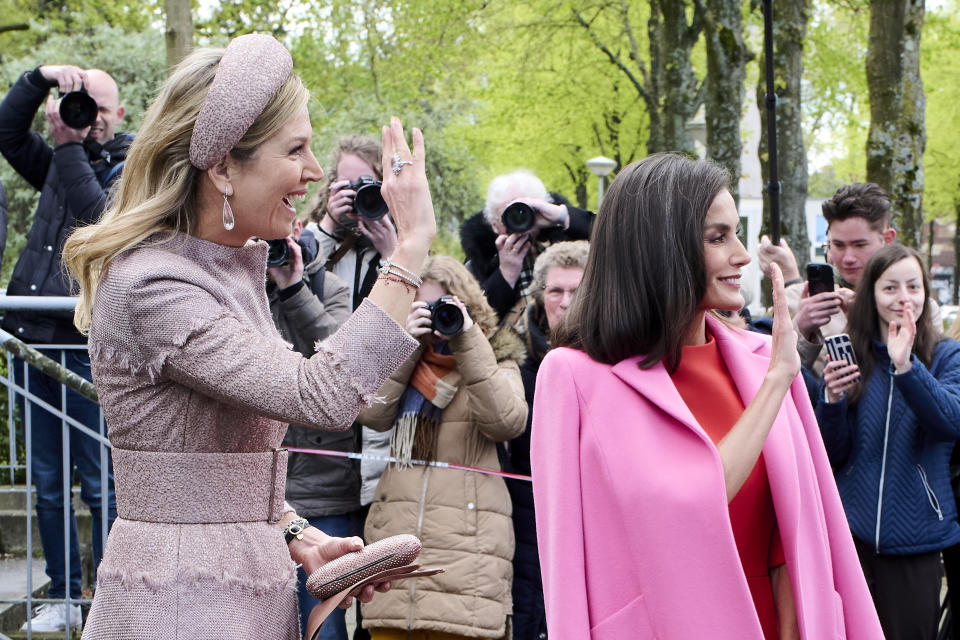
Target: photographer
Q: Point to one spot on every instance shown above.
(352, 244)
(501, 259)
(452, 401)
(73, 178)
(308, 304)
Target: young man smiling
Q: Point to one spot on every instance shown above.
(858, 224)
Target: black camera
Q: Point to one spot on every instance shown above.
(77, 109)
(278, 253)
(518, 217)
(445, 316)
(368, 202)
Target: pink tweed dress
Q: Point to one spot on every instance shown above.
(197, 388)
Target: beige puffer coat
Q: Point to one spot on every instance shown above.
(462, 517)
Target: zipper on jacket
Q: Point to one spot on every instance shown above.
(883, 466)
(931, 496)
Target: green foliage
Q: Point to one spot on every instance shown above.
(940, 58)
(135, 60)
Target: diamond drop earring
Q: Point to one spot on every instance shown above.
(228, 221)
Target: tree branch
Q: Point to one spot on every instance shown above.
(615, 59)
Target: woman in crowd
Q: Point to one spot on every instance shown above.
(196, 385)
(556, 276)
(680, 482)
(452, 402)
(889, 423)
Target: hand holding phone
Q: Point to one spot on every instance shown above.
(841, 371)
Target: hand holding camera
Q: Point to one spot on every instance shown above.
(443, 318)
(512, 249)
(285, 262)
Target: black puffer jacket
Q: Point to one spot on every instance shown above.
(73, 191)
(529, 617)
(3, 220)
(317, 485)
(477, 239)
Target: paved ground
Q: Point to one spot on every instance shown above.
(13, 585)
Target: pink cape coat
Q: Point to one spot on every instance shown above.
(632, 520)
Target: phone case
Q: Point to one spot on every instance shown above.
(839, 347)
(819, 278)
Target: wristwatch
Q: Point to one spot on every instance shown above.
(294, 529)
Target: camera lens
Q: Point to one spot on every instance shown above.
(78, 110)
(447, 317)
(279, 253)
(518, 217)
(369, 202)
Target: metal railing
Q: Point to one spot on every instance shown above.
(20, 400)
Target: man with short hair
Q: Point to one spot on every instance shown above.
(73, 178)
(858, 224)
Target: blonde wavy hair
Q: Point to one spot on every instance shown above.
(159, 188)
(455, 278)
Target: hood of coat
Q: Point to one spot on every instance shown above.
(478, 239)
(508, 345)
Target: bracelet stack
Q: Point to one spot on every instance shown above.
(397, 273)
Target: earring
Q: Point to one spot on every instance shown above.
(228, 221)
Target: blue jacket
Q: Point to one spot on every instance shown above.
(891, 453)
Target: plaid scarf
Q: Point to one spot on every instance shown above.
(421, 407)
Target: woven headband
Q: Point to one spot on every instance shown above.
(251, 71)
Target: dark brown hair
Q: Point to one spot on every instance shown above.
(863, 325)
(645, 275)
(859, 200)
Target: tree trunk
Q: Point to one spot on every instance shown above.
(680, 97)
(956, 253)
(727, 57)
(789, 30)
(668, 86)
(897, 135)
(179, 31)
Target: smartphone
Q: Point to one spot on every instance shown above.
(839, 347)
(819, 277)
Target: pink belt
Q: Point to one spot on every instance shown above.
(199, 488)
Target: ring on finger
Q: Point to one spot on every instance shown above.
(397, 163)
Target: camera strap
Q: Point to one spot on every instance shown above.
(341, 251)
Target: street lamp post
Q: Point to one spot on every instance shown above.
(600, 167)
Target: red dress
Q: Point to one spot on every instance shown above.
(708, 390)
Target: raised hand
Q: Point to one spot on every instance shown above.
(784, 359)
(900, 339)
(769, 253)
(406, 192)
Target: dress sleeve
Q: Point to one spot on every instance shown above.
(183, 334)
(555, 461)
